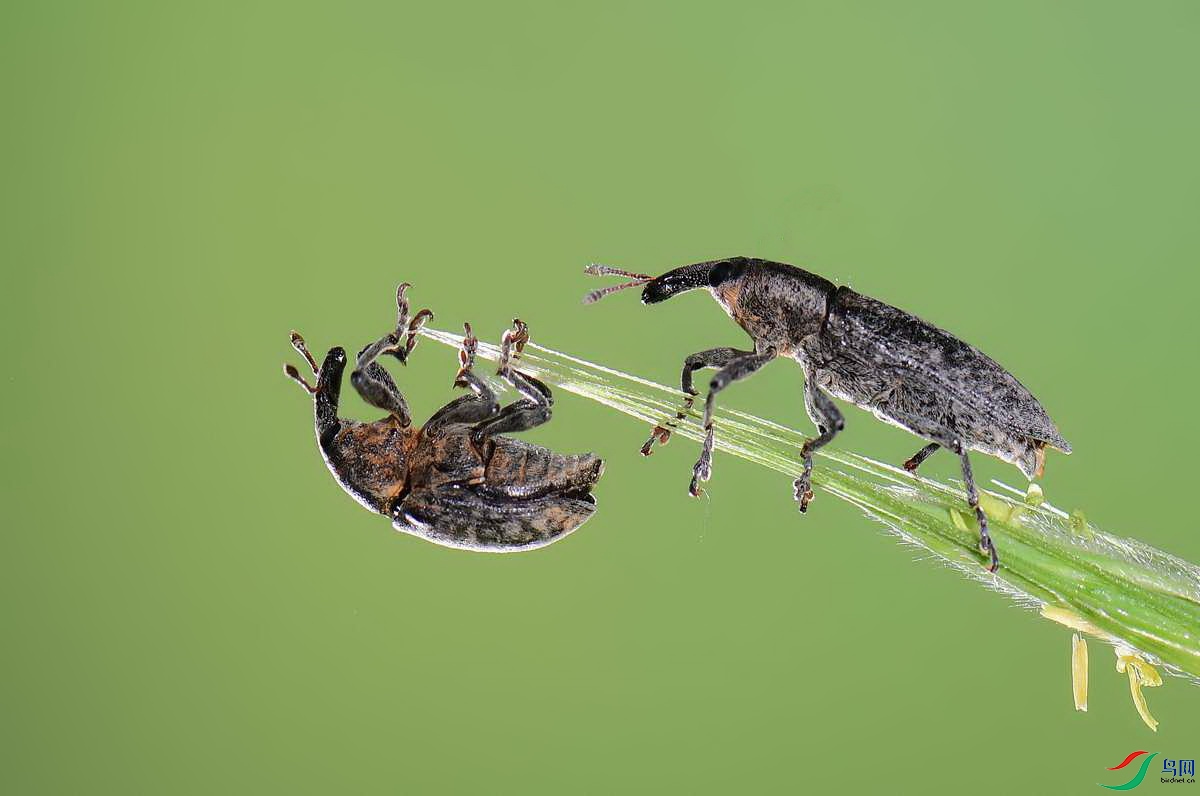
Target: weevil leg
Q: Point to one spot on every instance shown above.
(829, 421)
(736, 369)
(512, 343)
(477, 407)
(985, 540)
(518, 416)
(376, 387)
(369, 378)
(947, 438)
(530, 411)
(915, 460)
(712, 358)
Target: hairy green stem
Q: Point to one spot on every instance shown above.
(1128, 593)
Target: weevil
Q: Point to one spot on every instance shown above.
(902, 369)
(454, 481)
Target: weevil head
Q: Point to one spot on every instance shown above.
(370, 461)
(777, 304)
(710, 274)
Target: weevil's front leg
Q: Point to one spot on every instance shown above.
(986, 545)
(480, 405)
(915, 460)
(829, 421)
(738, 368)
(369, 378)
(712, 358)
(530, 411)
(377, 388)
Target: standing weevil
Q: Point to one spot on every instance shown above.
(893, 364)
(453, 481)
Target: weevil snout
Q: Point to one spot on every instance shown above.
(689, 277)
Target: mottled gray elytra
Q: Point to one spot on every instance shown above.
(454, 481)
(905, 371)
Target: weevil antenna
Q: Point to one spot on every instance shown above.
(302, 349)
(595, 269)
(290, 370)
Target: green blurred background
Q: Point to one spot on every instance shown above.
(191, 605)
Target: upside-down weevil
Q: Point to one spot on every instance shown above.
(453, 481)
(905, 371)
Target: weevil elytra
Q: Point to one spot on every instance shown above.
(454, 481)
(905, 371)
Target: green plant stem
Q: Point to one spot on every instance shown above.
(1132, 594)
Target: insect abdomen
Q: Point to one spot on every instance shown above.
(919, 376)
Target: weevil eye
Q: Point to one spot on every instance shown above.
(724, 271)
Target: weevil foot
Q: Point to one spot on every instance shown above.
(803, 493)
(512, 344)
(986, 545)
(660, 435)
(466, 355)
(993, 559)
(394, 343)
(520, 337)
(702, 471)
(414, 327)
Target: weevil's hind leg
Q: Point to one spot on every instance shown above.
(947, 438)
(712, 358)
(533, 408)
(738, 368)
(829, 421)
(477, 407)
(915, 460)
(986, 545)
